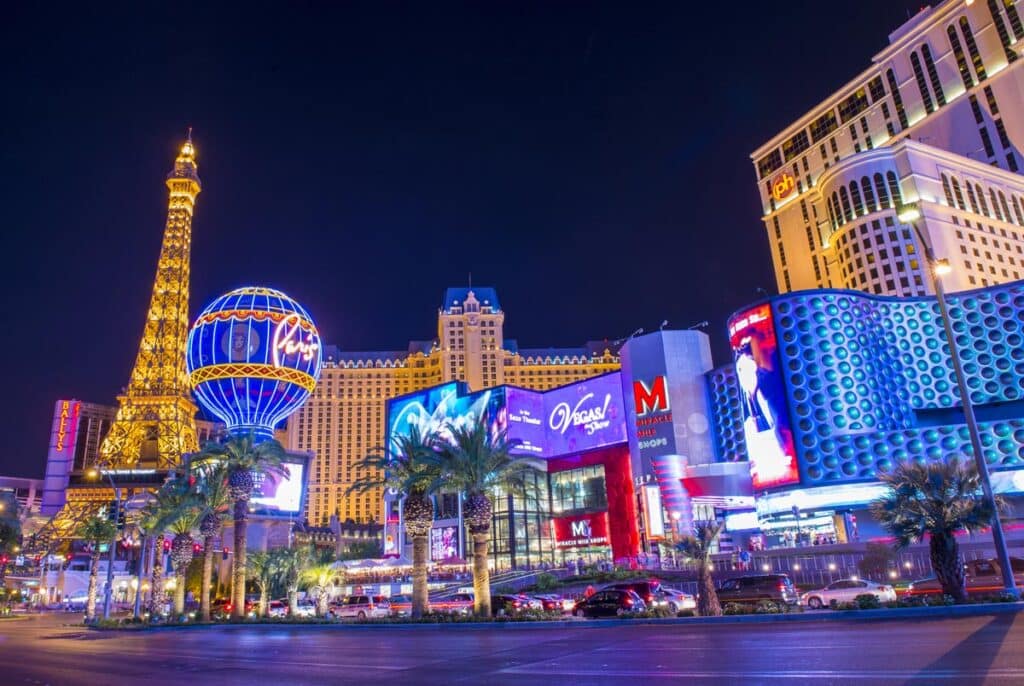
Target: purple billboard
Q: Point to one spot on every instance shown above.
(571, 419)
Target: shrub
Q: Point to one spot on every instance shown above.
(867, 601)
(546, 582)
(686, 613)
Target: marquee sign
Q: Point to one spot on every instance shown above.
(581, 531)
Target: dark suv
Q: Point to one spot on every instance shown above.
(755, 590)
(647, 590)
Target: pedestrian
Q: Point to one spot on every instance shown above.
(589, 592)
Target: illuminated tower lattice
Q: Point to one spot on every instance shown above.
(155, 421)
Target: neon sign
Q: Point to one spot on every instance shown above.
(653, 399)
(581, 531)
(782, 186)
(592, 419)
(67, 422)
(288, 338)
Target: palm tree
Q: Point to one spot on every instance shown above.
(697, 549)
(261, 568)
(216, 508)
(244, 458)
(95, 530)
(10, 531)
(321, 579)
(935, 501)
(178, 506)
(289, 565)
(405, 471)
(476, 463)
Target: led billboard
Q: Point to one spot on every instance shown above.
(279, 494)
(584, 416)
(766, 427)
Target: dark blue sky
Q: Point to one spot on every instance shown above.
(590, 161)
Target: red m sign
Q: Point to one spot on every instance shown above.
(653, 399)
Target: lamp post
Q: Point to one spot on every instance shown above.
(910, 214)
(108, 591)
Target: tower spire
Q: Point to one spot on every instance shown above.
(155, 421)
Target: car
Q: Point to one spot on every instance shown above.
(759, 589)
(555, 603)
(305, 608)
(456, 604)
(277, 608)
(510, 604)
(983, 577)
(401, 605)
(674, 599)
(362, 607)
(647, 589)
(76, 602)
(221, 608)
(610, 602)
(845, 591)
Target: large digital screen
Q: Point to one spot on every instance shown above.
(766, 426)
(585, 415)
(571, 419)
(444, 543)
(279, 494)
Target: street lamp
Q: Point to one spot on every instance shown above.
(910, 214)
(94, 473)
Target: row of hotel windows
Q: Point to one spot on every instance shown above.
(857, 102)
(999, 208)
(864, 199)
(867, 247)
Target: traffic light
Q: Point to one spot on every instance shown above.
(167, 545)
(225, 554)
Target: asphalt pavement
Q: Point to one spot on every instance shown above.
(969, 650)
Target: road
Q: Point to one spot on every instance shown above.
(974, 650)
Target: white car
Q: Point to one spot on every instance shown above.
(674, 599)
(277, 608)
(845, 591)
(363, 606)
(305, 609)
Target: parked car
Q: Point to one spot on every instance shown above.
(647, 589)
(845, 591)
(277, 608)
(76, 603)
(221, 608)
(610, 602)
(555, 603)
(674, 599)
(512, 604)
(362, 606)
(305, 608)
(758, 589)
(457, 604)
(983, 577)
(401, 605)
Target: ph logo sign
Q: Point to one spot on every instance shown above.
(782, 186)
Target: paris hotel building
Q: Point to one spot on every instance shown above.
(345, 417)
(935, 120)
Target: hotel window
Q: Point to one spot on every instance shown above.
(1004, 140)
(894, 189)
(972, 48)
(933, 75)
(986, 141)
(795, 145)
(876, 89)
(1011, 13)
(883, 197)
(1004, 36)
(853, 105)
(869, 196)
(769, 163)
(846, 203)
(981, 200)
(961, 60)
(823, 126)
(922, 85)
(947, 191)
(995, 205)
(959, 195)
(858, 204)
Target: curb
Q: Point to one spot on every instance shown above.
(946, 612)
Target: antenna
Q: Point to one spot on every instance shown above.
(698, 325)
(190, 134)
(664, 323)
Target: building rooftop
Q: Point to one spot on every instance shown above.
(487, 296)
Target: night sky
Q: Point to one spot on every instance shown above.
(589, 161)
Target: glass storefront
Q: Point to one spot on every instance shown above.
(521, 535)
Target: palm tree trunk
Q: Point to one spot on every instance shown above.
(481, 575)
(94, 570)
(420, 599)
(179, 594)
(264, 605)
(948, 565)
(156, 591)
(238, 564)
(204, 601)
(707, 602)
(293, 601)
(321, 602)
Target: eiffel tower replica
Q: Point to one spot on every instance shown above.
(155, 421)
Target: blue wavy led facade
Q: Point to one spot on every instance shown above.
(254, 356)
(870, 380)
